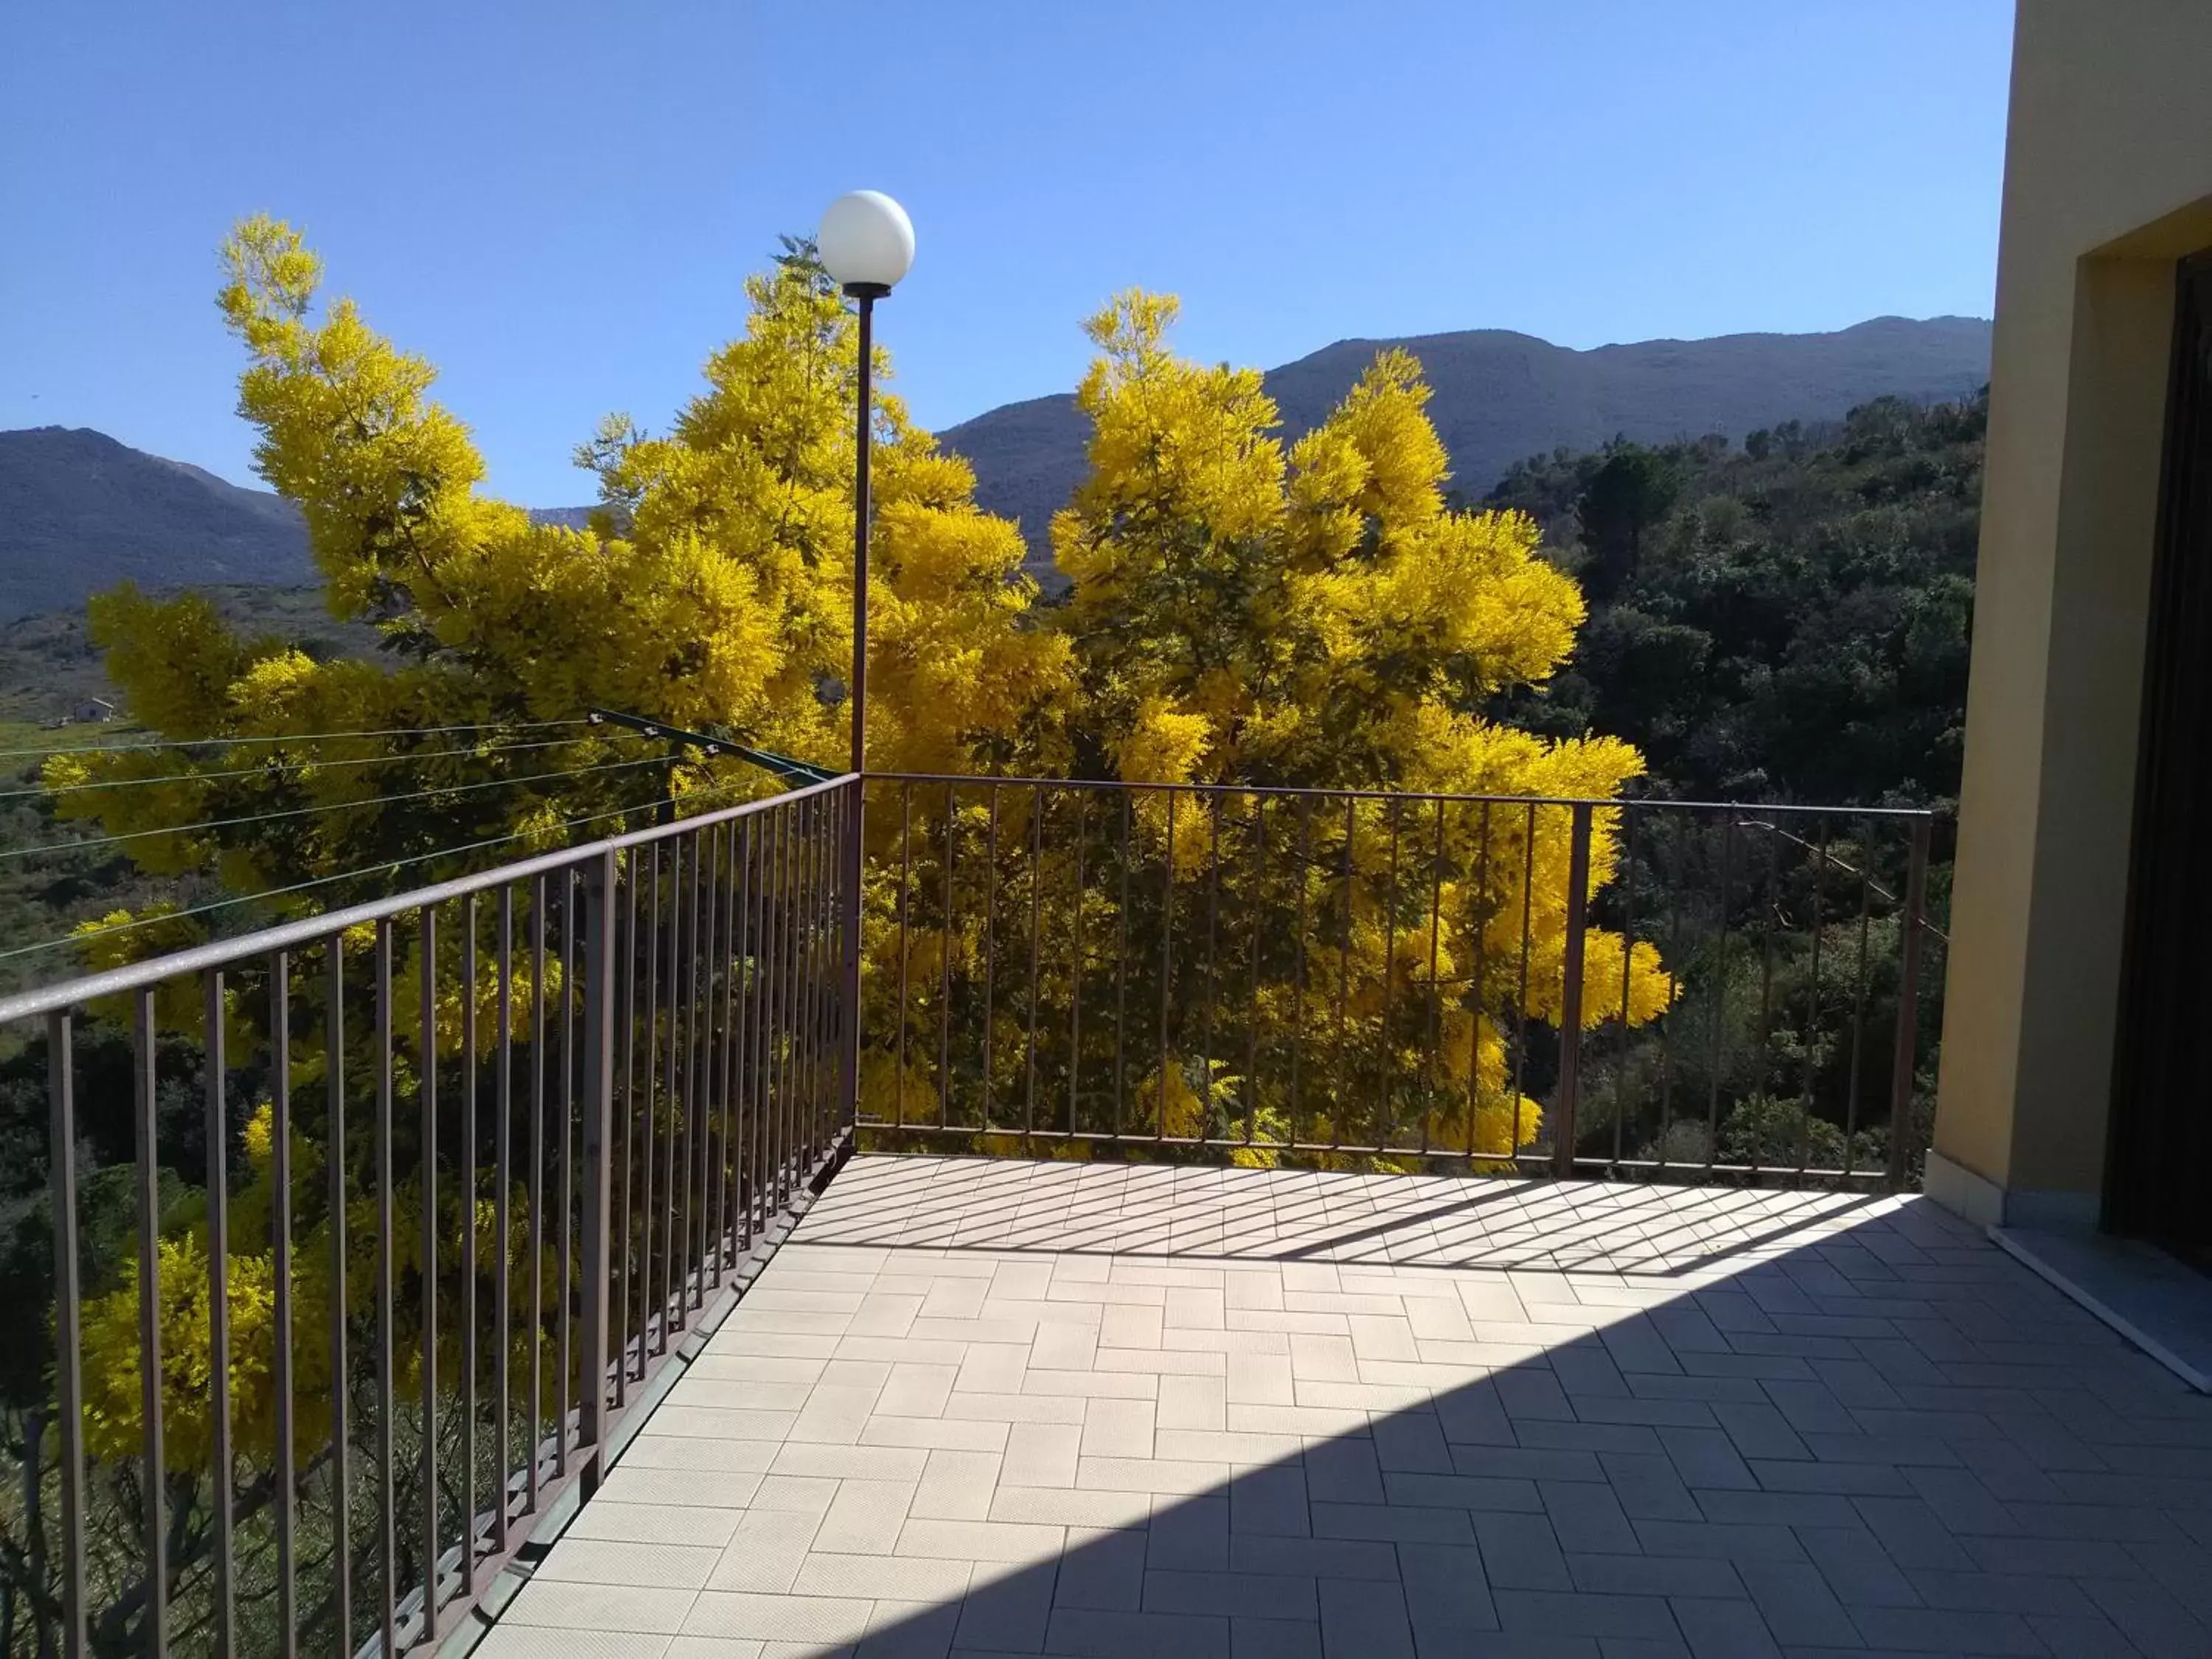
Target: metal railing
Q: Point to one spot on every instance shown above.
(557, 1104)
(1397, 979)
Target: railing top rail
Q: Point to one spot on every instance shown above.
(313, 930)
(1901, 813)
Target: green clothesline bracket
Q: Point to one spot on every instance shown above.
(783, 766)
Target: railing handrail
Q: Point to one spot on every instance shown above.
(1599, 802)
(312, 930)
(309, 930)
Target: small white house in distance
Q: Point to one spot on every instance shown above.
(88, 710)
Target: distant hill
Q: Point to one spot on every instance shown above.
(80, 512)
(1501, 397)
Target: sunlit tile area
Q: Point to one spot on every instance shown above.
(1000, 1407)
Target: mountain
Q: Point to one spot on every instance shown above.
(1501, 397)
(80, 512)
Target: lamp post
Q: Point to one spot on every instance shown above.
(866, 244)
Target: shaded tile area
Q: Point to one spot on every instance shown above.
(988, 1406)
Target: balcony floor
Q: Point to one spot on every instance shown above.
(996, 1407)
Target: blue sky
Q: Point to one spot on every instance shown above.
(557, 203)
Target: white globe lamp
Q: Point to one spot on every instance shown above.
(867, 243)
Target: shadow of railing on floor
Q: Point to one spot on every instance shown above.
(1809, 1420)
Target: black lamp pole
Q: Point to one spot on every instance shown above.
(864, 295)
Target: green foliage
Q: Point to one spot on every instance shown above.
(1630, 491)
(1788, 620)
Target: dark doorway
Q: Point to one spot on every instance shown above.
(2158, 1181)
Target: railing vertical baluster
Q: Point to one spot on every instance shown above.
(1121, 975)
(944, 971)
(990, 945)
(1075, 968)
(596, 1138)
(1340, 1104)
(1628, 869)
(1037, 942)
(828, 976)
(764, 1022)
(773, 986)
(218, 1210)
(503, 1313)
(808, 897)
(146, 1134)
(779, 982)
(1302, 867)
(670, 1304)
(1436, 990)
(1387, 1056)
(535, 1151)
(1167, 974)
(564, 1355)
(427, 1099)
(280, 1242)
(1480, 920)
(1682, 827)
(788, 923)
(469, 1196)
(805, 849)
(848, 865)
(335, 1157)
(626, 948)
(821, 847)
(752, 1123)
(1521, 995)
(646, 1117)
(1258, 941)
(68, 1389)
(725, 1091)
(751, 968)
(905, 894)
(1766, 981)
(1570, 991)
(824, 973)
(1858, 999)
(1813, 998)
(787, 1128)
(1216, 806)
(712, 1031)
(836, 1019)
(738, 1054)
(829, 932)
(1720, 996)
(1908, 999)
(697, 1013)
(387, 1522)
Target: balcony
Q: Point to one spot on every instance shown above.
(1388, 1224)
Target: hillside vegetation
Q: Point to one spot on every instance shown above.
(1787, 620)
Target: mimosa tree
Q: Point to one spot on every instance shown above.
(712, 590)
(1244, 619)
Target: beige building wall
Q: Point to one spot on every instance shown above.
(2108, 182)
